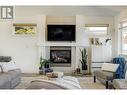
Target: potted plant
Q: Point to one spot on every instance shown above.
(44, 63)
(83, 60)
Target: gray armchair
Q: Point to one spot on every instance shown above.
(104, 76)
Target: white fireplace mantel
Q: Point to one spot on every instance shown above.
(61, 44)
(56, 44)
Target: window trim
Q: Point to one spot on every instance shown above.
(97, 25)
(120, 28)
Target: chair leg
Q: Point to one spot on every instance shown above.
(94, 79)
(106, 84)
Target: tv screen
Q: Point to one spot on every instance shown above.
(61, 32)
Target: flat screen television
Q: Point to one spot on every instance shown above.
(61, 32)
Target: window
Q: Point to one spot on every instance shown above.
(123, 30)
(97, 29)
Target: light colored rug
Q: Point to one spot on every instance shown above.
(85, 83)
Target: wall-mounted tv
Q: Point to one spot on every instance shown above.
(61, 32)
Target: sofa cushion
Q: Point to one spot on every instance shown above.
(14, 73)
(1, 69)
(10, 79)
(6, 66)
(5, 81)
(110, 67)
(5, 59)
(104, 74)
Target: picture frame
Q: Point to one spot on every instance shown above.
(20, 29)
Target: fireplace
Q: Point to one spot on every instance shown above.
(60, 55)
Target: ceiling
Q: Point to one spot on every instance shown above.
(74, 10)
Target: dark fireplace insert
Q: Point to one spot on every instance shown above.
(60, 56)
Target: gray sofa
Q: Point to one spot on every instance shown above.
(10, 79)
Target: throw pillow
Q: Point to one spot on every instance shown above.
(1, 69)
(126, 76)
(7, 66)
(5, 58)
(110, 67)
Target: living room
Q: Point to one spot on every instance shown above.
(101, 45)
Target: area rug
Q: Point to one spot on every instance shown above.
(85, 83)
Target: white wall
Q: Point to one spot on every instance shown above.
(25, 50)
(20, 48)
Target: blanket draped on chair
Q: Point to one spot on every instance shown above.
(120, 73)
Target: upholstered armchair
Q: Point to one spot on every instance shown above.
(106, 74)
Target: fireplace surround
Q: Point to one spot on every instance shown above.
(60, 55)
